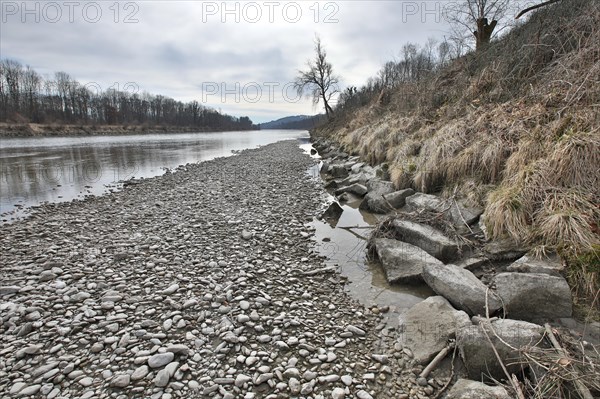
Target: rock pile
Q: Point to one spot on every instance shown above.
(492, 279)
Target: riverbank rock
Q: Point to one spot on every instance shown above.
(428, 238)
(402, 262)
(397, 199)
(333, 213)
(504, 334)
(356, 189)
(504, 249)
(426, 327)
(461, 287)
(374, 201)
(460, 214)
(468, 389)
(551, 265)
(424, 202)
(532, 296)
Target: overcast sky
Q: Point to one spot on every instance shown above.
(196, 49)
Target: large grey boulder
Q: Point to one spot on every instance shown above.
(426, 327)
(402, 262)
(508, 337)
(374, 201)
(533, 296)
(427, 238)
(460, 214)
(546, 265)
(425, 202)
(356, 189)
(397, 199)
(461, 288)
(469, 389)
(338, 171)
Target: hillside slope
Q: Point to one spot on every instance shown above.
(514, 128)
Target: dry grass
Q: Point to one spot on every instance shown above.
(514, 129)
(566, 220)
(507, 214)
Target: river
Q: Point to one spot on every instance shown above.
(55, 169)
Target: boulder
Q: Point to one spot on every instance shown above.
(473, 263)
(374, 201)
(356, 189)
(402, 262)
(332, 184)
(459, 213)
(338, 171)
(430, 239)
(505, 249)
(508, 337)
(426, 327)
(469, 389)
(397, 199)
(547, 265)
(425, 202)
(461, 288)
(533, 296)
(332, 213)
(356, 167)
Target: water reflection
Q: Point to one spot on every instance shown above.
(35, 170)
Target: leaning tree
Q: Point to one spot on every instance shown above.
(318, 79)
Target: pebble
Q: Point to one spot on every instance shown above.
(160, 359)
(195, 283)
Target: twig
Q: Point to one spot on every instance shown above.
(515, 386)
(441, 391)
(581, 388)
(436, 360)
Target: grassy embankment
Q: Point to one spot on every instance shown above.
(515, 128)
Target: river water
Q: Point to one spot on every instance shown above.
(55, 169)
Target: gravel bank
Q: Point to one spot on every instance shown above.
(199, 283)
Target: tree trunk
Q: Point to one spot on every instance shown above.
(328, 109)
(483, 34)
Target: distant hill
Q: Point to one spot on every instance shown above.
(294, 122)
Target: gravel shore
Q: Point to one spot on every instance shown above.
(198, 283)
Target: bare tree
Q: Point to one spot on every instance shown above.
(318, 80)
(480, 17)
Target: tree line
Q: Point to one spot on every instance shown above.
(28, 97)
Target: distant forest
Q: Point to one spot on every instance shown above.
(27, 97)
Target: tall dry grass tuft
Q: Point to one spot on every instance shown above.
(507, 214)
(435, 155)
(567, 221)
(575, 160)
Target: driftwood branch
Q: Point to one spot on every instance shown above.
(436, 360)
(519, 15)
